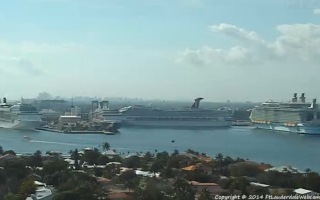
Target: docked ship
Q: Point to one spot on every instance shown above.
(19, 116)
(297, 116)
(147, 116)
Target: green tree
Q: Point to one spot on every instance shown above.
(192, 152)
(92, 157)
(254, 190)
(162, 157)
(35, 160)
(78, 186)
(132, 162)
(16, 168)
(11, 196)
(103, 160)
(151, 191)
(129, 178)
(313, 180)
(68, 195)
(75, 156)
(128, 175)
(9, 152)
(205, 194)
(175, 152)
(148, 156)
(157, 166)
(106, 146)
(27, 187)
(173, 162)
(57, 165)
(244, 169)
(183, 190)
(3, 177)
(219, 157)
(308, 170)
(1, 150)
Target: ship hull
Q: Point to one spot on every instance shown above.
(176, 124)
(20, 125)
(300, 128)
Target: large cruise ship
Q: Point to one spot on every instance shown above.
(19, 116)
(296, 116)
(147, 116)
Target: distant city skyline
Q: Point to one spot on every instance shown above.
(160, 49)
(114, 99)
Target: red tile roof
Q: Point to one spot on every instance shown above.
(114, 196)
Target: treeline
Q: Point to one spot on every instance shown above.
(79, 181)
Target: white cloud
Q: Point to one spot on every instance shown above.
(75, 69)
(206, 56)
(295, 43)
(18, 65)
(316, 11)
(299, 41)
(237, 33)
(30, 58)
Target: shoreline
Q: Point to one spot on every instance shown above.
(76, 132)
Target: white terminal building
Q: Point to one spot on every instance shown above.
(72, 117)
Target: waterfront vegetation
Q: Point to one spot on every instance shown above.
(103, 173)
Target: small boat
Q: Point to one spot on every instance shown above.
(26, 138)
(241, 123)
(108, 132)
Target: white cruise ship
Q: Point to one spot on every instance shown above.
(19, 116)
(296, 116)
(147, 116)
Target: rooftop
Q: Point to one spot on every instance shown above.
(195, 183)
(259, 184)
(284, 169)
(118, 196)
(302, 191)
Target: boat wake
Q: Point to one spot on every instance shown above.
(151, 149)
(48, 142)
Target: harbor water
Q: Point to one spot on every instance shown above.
(276, 148)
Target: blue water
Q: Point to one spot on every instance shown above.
(276, 148)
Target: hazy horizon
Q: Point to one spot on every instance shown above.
(169, 50)
(115, 99)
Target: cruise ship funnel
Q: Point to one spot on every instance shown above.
(302, 98)
(294, 98)
(196, 103)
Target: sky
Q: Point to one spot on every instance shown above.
(238, 50)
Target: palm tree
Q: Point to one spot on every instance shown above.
(106, 146)
(182, 189)
(219, 157)
(308, 170)
(76, 159)
(175, 152)
(1, 150)
(205, 195)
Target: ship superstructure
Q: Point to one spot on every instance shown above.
(19, 116)
(296, 116)
(147, 116)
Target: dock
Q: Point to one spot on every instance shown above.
(76, 132)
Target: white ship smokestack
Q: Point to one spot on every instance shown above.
(294, 98)
(314, 104)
